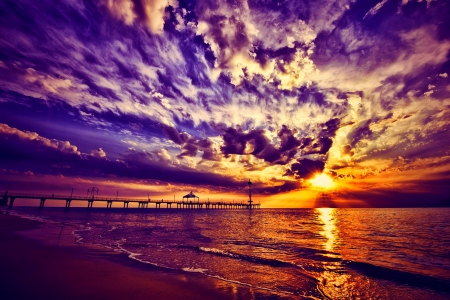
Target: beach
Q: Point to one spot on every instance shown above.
(51, 267)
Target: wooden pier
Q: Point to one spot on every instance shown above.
(9, 198)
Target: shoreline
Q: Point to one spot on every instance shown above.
(43, 261)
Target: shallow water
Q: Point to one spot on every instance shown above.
(317, 253)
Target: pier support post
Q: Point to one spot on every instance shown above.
(68, 203)
(109, 204)
(125, 204)
(90, 202)
(41, 205)
(11, 202)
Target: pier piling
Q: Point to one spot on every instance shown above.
(41, 205)
(11, 202)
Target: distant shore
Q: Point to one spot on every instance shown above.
(53, 266)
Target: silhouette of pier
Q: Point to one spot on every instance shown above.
(141, 203)
(92, 196)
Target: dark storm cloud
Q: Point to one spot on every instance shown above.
(288, 140)
(305, 168)
(173, 134)
(190, 145)
(330, 127)
(193, 145)
(255, 142)
(319, 146)
(322, 144)
(190, 148)
(280, 187)
(362, 131)
(235, 142)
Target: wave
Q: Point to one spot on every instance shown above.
(413, 279)
(135, 256)
(402, 277)
(77, 235)
(256, 259)
(310, 253)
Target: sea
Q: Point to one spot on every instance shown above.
(323, 253)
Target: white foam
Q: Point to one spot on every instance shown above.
(218, 251)
(78, 238)
(195, 270)
(135, 255)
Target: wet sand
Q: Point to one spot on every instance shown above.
(52, 266)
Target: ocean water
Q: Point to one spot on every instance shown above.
(324, 253)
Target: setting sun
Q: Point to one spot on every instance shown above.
(322, 181)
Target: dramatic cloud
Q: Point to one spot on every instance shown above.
(211, 93)
(306, 168)
(28, 149)
(31, 141)
(150, 13)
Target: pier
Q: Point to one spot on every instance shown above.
(10, 198)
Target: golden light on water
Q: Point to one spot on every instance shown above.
(322, 181)
(326, 215)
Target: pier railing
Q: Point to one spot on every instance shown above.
(142, 203)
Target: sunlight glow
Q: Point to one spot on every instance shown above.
(326, 216)
(322, 181)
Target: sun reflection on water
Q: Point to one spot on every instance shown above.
(333, 281)
(326, 215)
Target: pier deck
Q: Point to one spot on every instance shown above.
(9, 198)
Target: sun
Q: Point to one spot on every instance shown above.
(322, 181)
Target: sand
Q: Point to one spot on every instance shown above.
(52, 267)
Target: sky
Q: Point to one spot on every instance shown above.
(156, 98)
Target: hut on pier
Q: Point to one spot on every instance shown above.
(190, 196)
